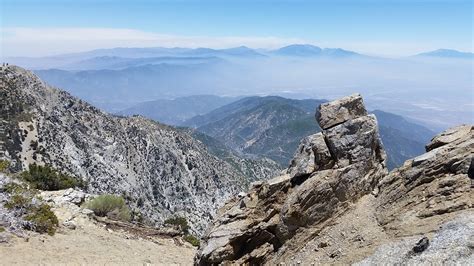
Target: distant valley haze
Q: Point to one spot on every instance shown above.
(412, 58)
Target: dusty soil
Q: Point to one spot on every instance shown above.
(93, 243)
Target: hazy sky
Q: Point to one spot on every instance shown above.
(403, 27)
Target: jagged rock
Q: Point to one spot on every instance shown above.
(311, 155)
(321, 181)
(356, 140)
(296, 212)
(339, 111)
(448, 136)
(434, 185)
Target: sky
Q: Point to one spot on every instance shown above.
(375, 27)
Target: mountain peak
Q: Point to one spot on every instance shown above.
(308, 50)
(299, 50)
(447, 53)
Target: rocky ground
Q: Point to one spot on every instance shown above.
(85, 240)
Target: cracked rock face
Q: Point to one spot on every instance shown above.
(340, 111)
(311, 155)
(330, 169)
(311, 214)
(431, 184)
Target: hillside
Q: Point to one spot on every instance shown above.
(176, 111)
(160, 170)
(264, 126)
(272, 127)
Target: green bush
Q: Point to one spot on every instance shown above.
(192, 239)
(112, 206)
(180, 222)
(43, 219)
(2, 229)
(17, 202)
(14, 188)
(4, 165)
(47, 178)
(183, 226)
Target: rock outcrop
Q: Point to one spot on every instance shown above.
(161, 171)
(338, 204)
(330, 170)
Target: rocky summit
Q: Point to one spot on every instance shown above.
(159, 170)
(337, 203)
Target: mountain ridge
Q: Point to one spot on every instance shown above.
(161, 171)
(447, 53)
(280, 123)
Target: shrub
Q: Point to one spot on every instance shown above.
(4, 165)
(192, 240)
(180, 222)
(2, 229)
(47, 178)
(43, 219)
(17, 202)
(183, 226)
(13, 188)
(112, 206)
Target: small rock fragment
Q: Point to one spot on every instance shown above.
(421, 245)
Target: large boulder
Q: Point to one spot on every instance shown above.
(330, 170)
(339, 111)
(356, 140)
(312, 155)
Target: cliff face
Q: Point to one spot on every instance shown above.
(338, 204)
(160, 171)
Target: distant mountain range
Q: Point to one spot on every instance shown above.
(120, 58)
(118, 78)
(447, 53)
(138, 83)
(312, 51)
(273, 126)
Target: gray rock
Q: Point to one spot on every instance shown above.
(311, 155)
(70, 225)
(449, 136)
(333, 175)
(450, 246)
(339, 111)
(87, 211)
(356, 141)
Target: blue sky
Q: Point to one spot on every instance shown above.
(380, 27)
